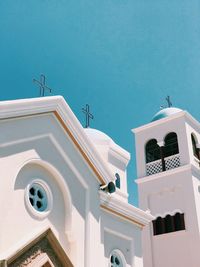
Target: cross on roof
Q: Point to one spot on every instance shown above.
(88, 115)
(42, 85)
(168, 101)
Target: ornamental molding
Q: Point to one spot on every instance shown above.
(57, 105)
(38, 251)
(120, 154)
(124, 210)
(150, 125)
(172, 213)
(30, 259)
(42, 248)
(160, 175)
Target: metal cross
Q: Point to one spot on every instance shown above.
(168, 101)
(88, 115)
(42, 85)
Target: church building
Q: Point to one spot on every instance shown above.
(63, 190)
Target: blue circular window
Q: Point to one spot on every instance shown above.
(38, 197)
(117, 259)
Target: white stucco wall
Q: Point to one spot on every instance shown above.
(120, 234)
(42, 138)
(168, 192)
(38, 147)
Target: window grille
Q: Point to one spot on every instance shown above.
(159, 159)
(154, 167)
(172, 162)
(38, 197)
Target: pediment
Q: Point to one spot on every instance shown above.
(56, 106)
(44, 251)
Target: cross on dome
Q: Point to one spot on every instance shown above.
(168, 101)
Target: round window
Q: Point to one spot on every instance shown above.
(117, 259)
(38, 197)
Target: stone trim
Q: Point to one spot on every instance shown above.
(46, 245)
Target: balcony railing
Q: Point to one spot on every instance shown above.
(154, 167)
(171, 162)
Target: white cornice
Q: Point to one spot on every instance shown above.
(121, 194)
(124, 209)
(34, 106)
(163, 174)
(119, 153)
(159, 122)
(188, 117)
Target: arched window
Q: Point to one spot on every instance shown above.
(171, 145)
(179, 221)
(117, 259)
(152, 150)
(159, 226)
(194, 146)
(117, 181)
(169, 224)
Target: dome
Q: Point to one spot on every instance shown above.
(97, 136)
(166, 112)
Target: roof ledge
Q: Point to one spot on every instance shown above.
(37, 106)
(125, 210)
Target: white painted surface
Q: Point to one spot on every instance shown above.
(175, 190)
(37, 147)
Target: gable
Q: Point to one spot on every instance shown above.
(35, 147)
(42, 137)
(11, 110)
(28, 146)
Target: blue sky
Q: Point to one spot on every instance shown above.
(123, 57)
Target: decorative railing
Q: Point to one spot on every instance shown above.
(171, 162)
(154, 167)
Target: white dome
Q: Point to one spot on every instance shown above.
(97, 136)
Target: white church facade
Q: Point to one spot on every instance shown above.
(63, 191)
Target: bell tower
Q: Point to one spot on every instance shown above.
(168, 178)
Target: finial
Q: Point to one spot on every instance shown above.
(169, 103)
(88, 115)
(42, 85)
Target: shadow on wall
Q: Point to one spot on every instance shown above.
(115, 234)
(59, 213)
(45, 150)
